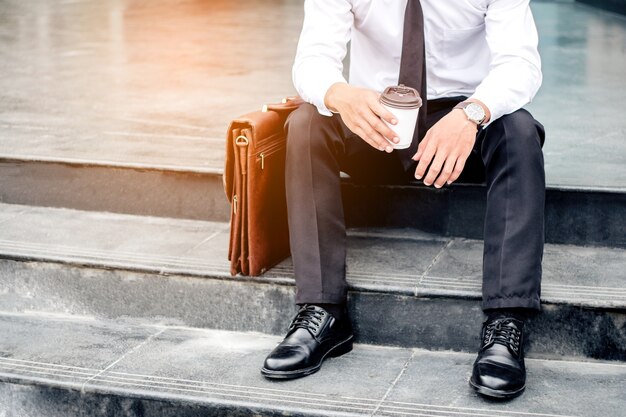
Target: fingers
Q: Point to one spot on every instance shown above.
(366, 132)
(382, 112)
(446, 169)
(458, 168)
(372, 136)
(381, 128)
(420, 148)
(435, 168)
(446, 172)
(425, 158)
(364, 115)
(444, 150)
(372, 129)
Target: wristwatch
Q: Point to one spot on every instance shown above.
(474, 111)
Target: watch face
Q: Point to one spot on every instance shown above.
(475, 112)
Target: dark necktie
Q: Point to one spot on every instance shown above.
(413, 70)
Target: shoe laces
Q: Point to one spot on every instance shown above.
(309, 318)
(504, 332)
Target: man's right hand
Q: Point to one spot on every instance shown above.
(361, 111)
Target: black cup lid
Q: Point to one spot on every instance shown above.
(401, 96)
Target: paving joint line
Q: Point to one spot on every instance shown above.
(196, 246)
(443, 249)
(205, 240)
(115, 362)
(394, 382)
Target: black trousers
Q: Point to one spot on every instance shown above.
(507, 156)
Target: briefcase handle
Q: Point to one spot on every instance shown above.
(286, 105)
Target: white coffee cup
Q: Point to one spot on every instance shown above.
(404, 103)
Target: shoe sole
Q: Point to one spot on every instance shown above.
(339, 349)
(494, 393)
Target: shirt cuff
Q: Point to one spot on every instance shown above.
(494, 110)
(507, 89)
(317, 86)
(322, 88)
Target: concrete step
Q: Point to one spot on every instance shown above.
(67, 366)
(103, 95)
(574, 215)
(115, 266)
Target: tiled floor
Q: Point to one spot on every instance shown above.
(157, 82)
(381, 260)
(191, 366)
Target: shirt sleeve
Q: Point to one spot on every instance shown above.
(321, 49)
(515, 72)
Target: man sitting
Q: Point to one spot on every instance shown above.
(475, 64)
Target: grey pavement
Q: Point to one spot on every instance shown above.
(583, 53)
(401, 261)
(212, 368)
(155, 84)
(175, 271)
(129, 81)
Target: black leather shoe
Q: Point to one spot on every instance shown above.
(499, 370)
(313, 335)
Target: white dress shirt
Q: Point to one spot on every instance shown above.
(485, 49)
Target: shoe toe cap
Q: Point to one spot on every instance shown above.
(286, 358)
(497, 377)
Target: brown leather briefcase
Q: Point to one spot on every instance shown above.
(254, 181)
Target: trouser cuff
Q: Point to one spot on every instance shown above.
(321, 298)
(512, 302)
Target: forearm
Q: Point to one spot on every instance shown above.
(515, 71)
(507, 88)
(313, 83)
(321, 49)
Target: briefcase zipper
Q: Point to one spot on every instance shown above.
(260, 142)
(235, 204)
(270, 149)
(262, 155)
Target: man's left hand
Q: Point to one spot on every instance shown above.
(447, 145)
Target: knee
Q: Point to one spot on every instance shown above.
(305, 127)
(522, 133)
(303, 118)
